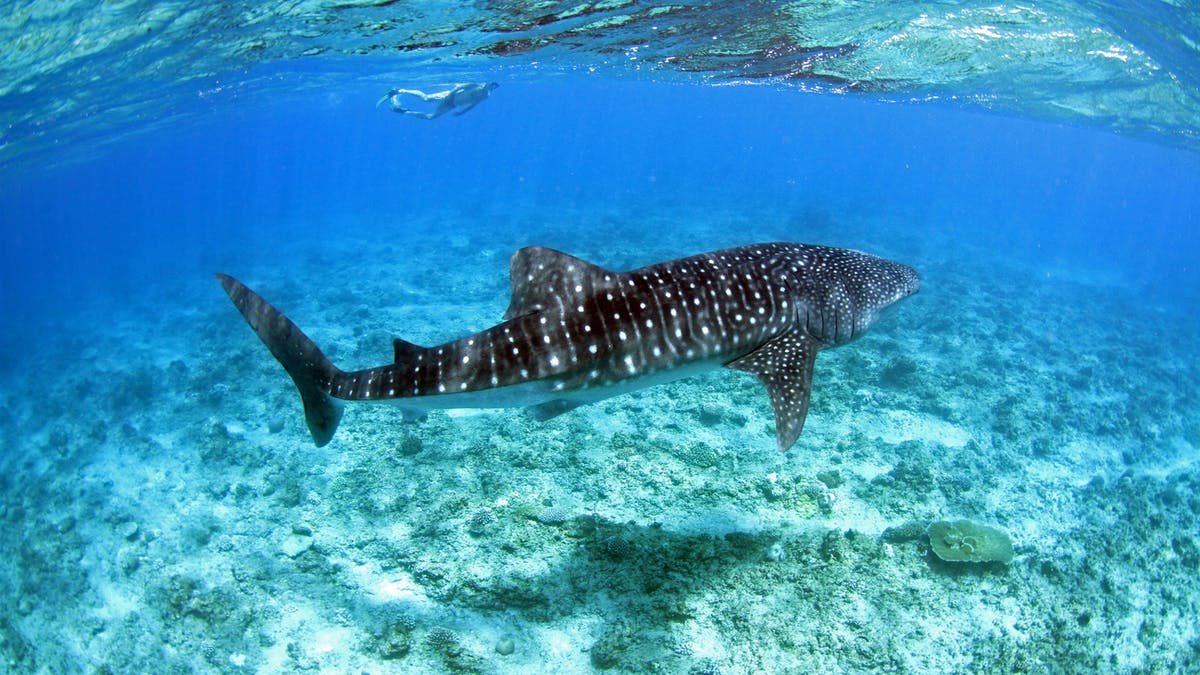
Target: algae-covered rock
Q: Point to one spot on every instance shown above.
(396, 640)
(911, 530)
(965, 541)
(296, 544)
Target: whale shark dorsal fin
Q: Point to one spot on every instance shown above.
(784, 365)
(542, 278)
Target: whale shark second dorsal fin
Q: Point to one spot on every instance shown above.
(785, 366)
(404, 351)
(542, 278)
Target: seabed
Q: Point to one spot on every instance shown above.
(165, 510)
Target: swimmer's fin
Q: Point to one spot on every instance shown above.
(385, 97)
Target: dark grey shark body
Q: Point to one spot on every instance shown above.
(576, 333)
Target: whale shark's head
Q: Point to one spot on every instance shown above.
(875, 284)
(843, 292)
(904, 280)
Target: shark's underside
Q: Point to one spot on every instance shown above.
(575, 333)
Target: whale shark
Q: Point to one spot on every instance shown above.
(576, 333)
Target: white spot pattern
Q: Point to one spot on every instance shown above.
(767, 309)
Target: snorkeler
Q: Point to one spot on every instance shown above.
(458, 99)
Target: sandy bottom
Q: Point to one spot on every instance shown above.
(165, 511)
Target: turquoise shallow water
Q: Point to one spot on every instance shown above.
(656, 530)
(166, 511)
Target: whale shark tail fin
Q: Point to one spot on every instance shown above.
(312, 372)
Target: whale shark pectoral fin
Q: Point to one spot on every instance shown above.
(784, 365)
(543, 278)
(551, 409)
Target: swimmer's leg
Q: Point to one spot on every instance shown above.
(395, 95)
(436, 96)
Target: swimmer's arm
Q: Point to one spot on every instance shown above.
(464, 110)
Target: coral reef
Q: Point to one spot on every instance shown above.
(965, 541)
(179, 519)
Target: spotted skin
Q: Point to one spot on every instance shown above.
(576, 333)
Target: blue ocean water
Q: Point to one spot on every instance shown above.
(164, 504)
(1048, 193)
